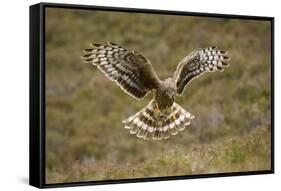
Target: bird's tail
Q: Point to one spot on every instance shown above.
(152, 124)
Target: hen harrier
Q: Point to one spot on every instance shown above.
(130, 70)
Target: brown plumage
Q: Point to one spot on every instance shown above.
(130, 70)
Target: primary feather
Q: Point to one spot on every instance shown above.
(198, 62)
(129, 69)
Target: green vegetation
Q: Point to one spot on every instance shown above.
(85, 139)
(235, 154)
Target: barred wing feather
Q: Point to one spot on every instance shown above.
(129, 69)
(198, 62)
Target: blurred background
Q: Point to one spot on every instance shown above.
(85, 139)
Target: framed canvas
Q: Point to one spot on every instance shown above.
(123, 95)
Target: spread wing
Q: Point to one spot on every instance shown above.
(129, 69)
(198, 62)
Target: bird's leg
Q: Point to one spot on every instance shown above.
(157, 109)
(174, 116)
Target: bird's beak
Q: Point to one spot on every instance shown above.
(170, 95)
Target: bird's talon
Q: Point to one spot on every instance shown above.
(174, 116)
(157, 109)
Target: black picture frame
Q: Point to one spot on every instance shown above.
(37, 94)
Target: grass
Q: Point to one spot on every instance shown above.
(85, 139)
(235, 154)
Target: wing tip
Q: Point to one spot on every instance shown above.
(87, 50)
(111, 43)
(95, 44)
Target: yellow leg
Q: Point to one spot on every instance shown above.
(157, 109)
(174, 116)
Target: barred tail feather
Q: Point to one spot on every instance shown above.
(152, 124)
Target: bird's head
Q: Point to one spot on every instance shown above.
(170, 87)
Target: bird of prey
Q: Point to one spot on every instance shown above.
(135, 75)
